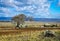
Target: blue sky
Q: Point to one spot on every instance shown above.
(34, 8)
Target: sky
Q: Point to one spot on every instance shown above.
(34, 8)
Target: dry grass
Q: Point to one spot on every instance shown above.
(25, 35)
(6, 24)
(28, 23)
(28, 36)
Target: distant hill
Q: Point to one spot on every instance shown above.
(35, 19)
(5, 18)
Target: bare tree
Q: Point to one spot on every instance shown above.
(19, 19)
(30, 18)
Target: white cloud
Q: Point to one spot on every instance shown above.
(42, 8)
(10, 3)
(6, 12)
(36, 7)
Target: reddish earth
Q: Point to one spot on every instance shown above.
(14, 30)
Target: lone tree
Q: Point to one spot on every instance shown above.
(19, 19)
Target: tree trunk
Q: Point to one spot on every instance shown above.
(17, 25)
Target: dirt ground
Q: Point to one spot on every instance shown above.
(15, 31)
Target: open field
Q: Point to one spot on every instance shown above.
(28, 23)
(28, 35)
(33, 32)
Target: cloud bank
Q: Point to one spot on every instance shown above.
(35, 8)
